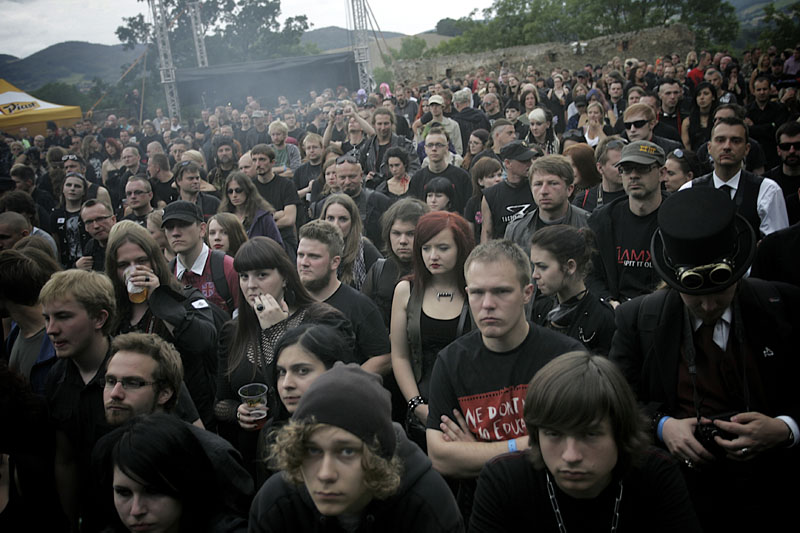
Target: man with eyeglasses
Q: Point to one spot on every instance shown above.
(622, 267)
(759, 200)
(712, 358)
(640, 120)
(139, 195)
(144, 375)
(98, 219)
(438, 166)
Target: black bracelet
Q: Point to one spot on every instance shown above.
(415, 402)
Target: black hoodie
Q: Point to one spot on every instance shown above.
(423, 503)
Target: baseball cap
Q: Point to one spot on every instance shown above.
(183, 211)
(516, 150)
(436, 99)
(642, 152)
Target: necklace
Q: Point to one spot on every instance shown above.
(444, 294)
(551, 491)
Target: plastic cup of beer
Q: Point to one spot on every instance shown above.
(254, 396)
(136, 294)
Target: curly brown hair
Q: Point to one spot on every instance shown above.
(381, 476)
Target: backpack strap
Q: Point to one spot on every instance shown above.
(218, 276)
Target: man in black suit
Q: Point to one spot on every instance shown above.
(759, 200)
(715, 346)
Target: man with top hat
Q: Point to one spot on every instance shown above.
(712, 358)
(622, 268)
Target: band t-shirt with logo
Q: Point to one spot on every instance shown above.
(507, 204)
(632, 235)
(489, 387)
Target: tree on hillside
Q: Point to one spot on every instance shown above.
(410, 48)
(783, 26)
(519, 22)
(236, 31)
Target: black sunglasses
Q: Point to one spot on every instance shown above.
(349, 157)
(237, 190)
(637, 123)
(788, 146)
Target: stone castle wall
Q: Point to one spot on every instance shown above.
(644, 44)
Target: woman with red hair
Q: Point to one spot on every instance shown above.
(429, 309)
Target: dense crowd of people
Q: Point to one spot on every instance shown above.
(513, 299)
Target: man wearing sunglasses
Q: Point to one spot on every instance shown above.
(787, 174)
(712, 358)
(622, 267)
(640, 120)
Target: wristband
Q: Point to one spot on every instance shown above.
(512, 445)
(661, 427)
(415, 402)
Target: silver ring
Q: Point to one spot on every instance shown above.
(688, 463)
(259, 308)
(743, 451)
(238, 415)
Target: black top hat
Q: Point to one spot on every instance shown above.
(702, 245)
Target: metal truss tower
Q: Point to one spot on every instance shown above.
(166, 68)
(198, 34)
(361, 44)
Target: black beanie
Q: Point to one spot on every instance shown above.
(352, 399)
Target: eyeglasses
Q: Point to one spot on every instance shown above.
(629, 168)
(135, 193)
(237, 190)
(638, 123)
(435, 145)
(69, 157)
(788, 146)
(127, 383)
(98, 219)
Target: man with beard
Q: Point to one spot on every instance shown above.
(405, 106)
(787, 174)
(98, 219)
(144, 375)
(225, 163)
(371, 204)
(287, 156)
(318, 256)
(372, 155)
(397, 228)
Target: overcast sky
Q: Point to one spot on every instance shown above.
(31, 25)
